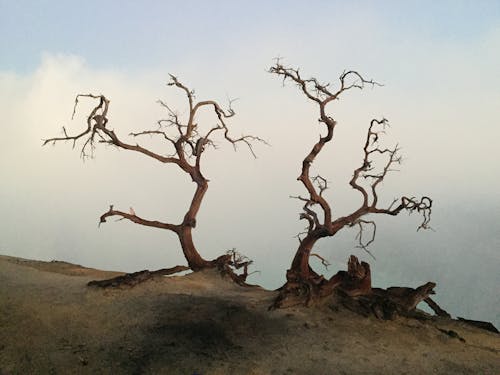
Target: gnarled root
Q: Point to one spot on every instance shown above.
(227, 264)
(488, 326)
(132, 279)
(394, 301)
(389, 303)
(356, 281)
(300, 290)
(353, 287)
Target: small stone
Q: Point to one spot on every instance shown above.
(83, 361)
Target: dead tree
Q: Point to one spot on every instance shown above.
(303, 284)
(187, 143)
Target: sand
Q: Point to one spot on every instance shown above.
(200, 323)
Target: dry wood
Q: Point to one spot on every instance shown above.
(302, 280)
(187, 142)
(132, 279)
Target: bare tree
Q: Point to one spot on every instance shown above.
(303, 283)
(187, 143)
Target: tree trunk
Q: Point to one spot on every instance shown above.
(300, 265)
(193, 257)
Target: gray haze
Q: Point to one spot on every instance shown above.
(440, 95)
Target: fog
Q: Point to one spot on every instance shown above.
(440, 97)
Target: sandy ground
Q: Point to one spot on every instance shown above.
(51, 323)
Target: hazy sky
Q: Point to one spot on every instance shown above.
(438, 62)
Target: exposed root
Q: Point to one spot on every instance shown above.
(227, 264)
(435, 307)
(300, 292)
(232, 261)
(355, 281)
(480, 324)
(389, 303)
(132, 279)
(353, 288)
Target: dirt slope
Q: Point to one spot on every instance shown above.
(51, 323)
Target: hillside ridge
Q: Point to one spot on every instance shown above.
(201, 323)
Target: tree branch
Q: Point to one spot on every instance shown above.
(316, 91)
(188, 145)
(138, 220)
(324, 262)
(361, 244)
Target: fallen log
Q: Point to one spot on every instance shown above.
(480, 324)
(132, 279)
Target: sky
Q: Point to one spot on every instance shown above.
(438, 63)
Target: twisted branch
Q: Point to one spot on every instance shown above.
(138, 220)
(187, 143)
(322, 94)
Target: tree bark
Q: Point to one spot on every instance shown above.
(188, 143)
(132, 279)
(300, 264)
(377, 162)
(193, 257)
